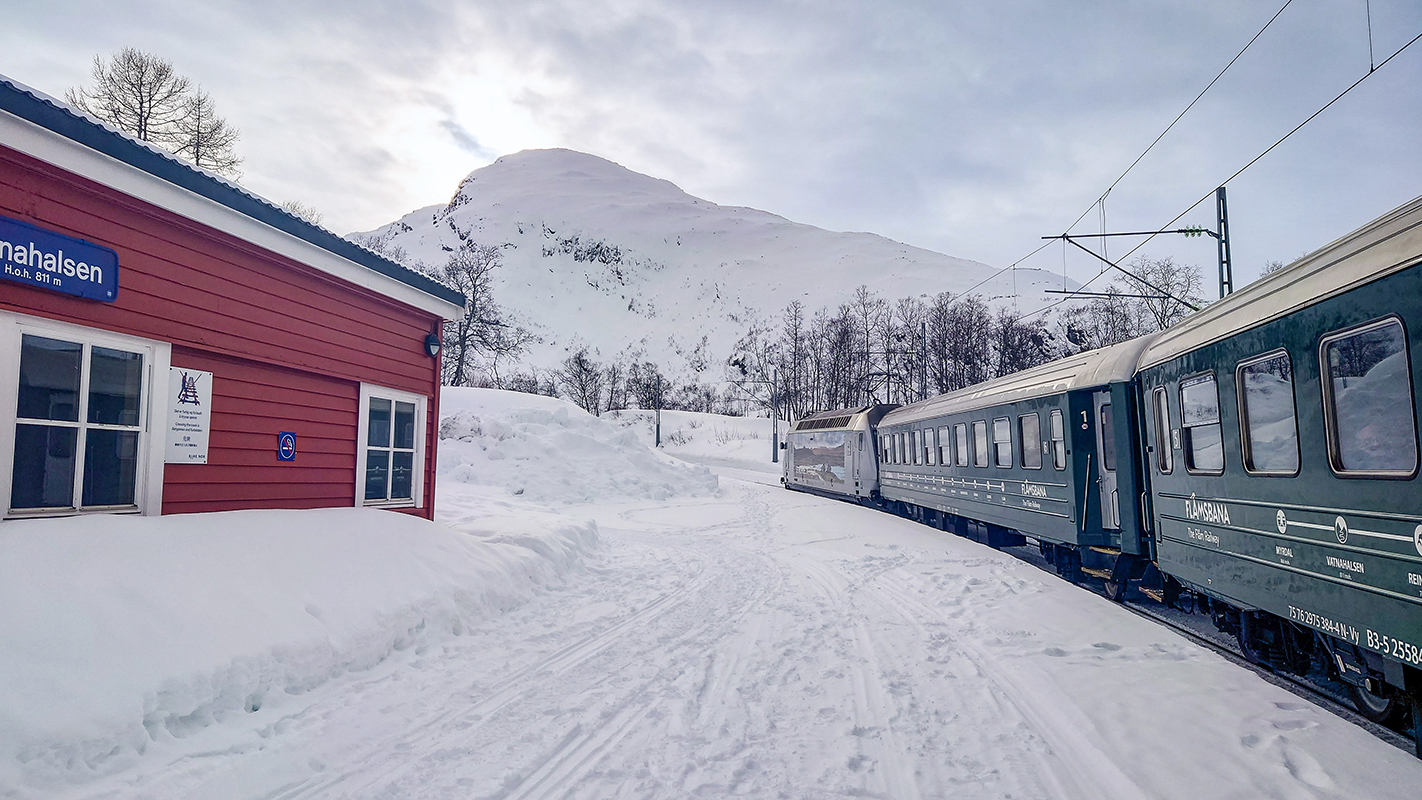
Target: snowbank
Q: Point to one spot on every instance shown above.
(743, 442)
(548, 450)
(120, 632)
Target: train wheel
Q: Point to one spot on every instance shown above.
(1382, 709)
(1250, 634)
(1115, 590)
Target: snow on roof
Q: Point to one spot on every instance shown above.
(1083, 370)
(64, 120)
(1388, 244)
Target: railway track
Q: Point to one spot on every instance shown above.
(1326, 693)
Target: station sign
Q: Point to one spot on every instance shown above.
(189, 415)
(47, 260)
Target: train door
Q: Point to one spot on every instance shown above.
(1106, 463)
(858, 456)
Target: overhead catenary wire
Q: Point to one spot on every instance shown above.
(1101, 201)
(1237, 172)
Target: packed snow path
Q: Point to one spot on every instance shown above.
(773, 644)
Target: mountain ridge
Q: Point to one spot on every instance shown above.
(632, 266)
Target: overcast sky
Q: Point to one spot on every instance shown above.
(971, 128)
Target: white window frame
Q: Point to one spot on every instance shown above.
(421, 462)
(148, 477)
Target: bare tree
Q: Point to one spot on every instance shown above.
(136, 92)
(311, 215)
(1163, 285)
(647, 385)
(480, 338)
(582, 380)
(142, 95)
(204, 138)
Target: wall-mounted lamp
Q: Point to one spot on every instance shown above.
(432, 344)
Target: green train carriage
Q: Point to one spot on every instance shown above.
(1282, 457)
(1048, 452)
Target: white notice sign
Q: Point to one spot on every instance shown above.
(189, 415)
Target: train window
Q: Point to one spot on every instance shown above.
(1268, 427)
(903, 448)
(960, 445)
(1029, 434)
(1201, 436)
(930, 450)
(1368, 399)
(1164, 456)
(980, 444)
(1058, 440)
(917, 447)
(1002, 442)
(944, 439)
(1108, 439)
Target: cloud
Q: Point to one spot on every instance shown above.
(967, 127)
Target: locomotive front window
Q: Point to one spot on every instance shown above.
(944, 439)
(1266, 409)
(980, 444)
(1368, 395)
(1201, 435)
(960, 444)
(1029, 433)
(1058, 440)
(1002, 442)
(1164, 456)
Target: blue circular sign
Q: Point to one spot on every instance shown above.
(286, 446)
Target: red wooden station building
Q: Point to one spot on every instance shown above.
(172, 343)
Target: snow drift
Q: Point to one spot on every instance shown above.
(548, 450)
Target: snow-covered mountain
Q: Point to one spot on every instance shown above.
(595, 253)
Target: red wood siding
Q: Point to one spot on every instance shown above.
(287, 345)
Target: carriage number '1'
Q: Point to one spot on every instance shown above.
(1403, 651)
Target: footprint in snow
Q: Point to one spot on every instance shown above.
(1110, 646)
(1055, 652)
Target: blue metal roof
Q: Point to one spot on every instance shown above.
(60, 118)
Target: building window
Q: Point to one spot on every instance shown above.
(1002, 442)
(1367, 387)
(1164, 455)
(945, 439)
(391, 447)
(980, 444)
(82, 437)
(1058, 431)
(1201, 435)
(1268, 426)
(960, 444)
(1029, 433)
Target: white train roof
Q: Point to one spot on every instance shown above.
(1083, 370)
(1383, 246)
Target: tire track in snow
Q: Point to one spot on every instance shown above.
(1078, 760)
(433, 730)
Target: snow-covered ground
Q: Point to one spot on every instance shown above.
(592, 619)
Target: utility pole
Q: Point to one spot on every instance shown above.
(774, 421)
(1222, 237)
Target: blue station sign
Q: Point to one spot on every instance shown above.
(47, 260)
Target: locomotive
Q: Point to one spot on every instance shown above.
(1259, 457)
